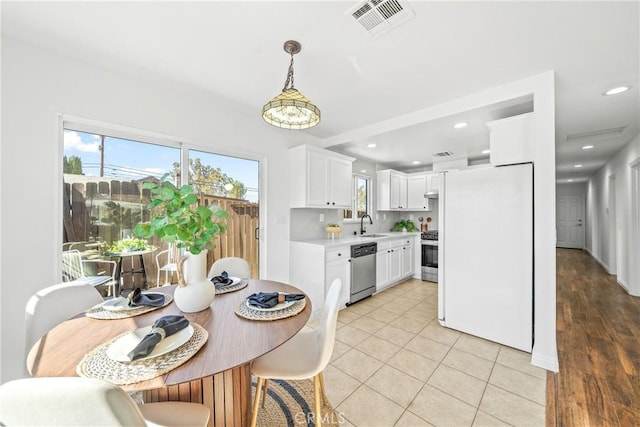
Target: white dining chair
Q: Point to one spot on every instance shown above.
(55, 304)
(234, 266)
(77, 401)
(303, 356)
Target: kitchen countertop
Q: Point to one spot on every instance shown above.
(352, 240)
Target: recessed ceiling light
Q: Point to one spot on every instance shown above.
(587, 147)
(486, 151)
(577, 166)
(371, 145)
(569, 180)
(460, 125)
(416, 162)
(617, 90)
(363, 171)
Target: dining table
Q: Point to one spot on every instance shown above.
(218, 375)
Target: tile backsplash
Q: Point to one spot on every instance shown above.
(305, 224)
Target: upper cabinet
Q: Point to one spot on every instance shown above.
(511, 140)
(406, 192)
(319, 178)
(392, 190)
(433, 184)
(417, 187)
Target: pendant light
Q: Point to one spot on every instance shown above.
(291, 109)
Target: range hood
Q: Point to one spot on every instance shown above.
(432, 194)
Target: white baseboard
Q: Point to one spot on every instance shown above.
(594, 256)
(544, 362)
(623, 284)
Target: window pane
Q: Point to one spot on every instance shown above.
(104, 199)
(232, 184)
(362, 196)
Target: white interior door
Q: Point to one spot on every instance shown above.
(570, 221)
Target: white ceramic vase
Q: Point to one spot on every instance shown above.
(194, 292)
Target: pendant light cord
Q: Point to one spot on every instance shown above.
(289, 76)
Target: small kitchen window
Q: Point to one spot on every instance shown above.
(361, 198)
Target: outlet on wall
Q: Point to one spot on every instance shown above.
(384, 216)
(321, 217)
(411, 217)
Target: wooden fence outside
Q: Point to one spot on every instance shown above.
(86, 207)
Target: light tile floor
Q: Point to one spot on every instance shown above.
(394, 365)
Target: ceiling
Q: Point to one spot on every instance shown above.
(448, 50)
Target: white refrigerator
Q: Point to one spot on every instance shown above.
(486, 253)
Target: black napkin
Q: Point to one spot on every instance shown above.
(162, 328)
(270, 299)
(222, 280)
(137, 298)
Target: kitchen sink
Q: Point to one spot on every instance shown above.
(373, 235)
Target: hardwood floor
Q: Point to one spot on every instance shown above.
(598, 338)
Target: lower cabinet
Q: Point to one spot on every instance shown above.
(313, 268)
(338, 266)
(407, 257)
(388, 263)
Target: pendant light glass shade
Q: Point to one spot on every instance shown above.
(291, 109)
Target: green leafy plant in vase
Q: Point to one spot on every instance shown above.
(404, 225)
(178, 218)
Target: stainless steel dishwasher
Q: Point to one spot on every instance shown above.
(363, 271)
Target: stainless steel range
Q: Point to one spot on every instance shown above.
(430, 256)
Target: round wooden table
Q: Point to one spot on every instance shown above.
(218, 376)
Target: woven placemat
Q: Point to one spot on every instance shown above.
(98, 312)
(243, 310)
(231, 288)
(97, 364)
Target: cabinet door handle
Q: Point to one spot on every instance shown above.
(327, 202)
(333, 203)
(256, 233)
(339, 254)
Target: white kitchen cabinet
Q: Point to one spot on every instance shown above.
(313, 268)
(388, 263)
(382, 269)
(433, 183)
(338, 266)
(392, 190)
(416, 192)
(407, 258)
(395, 263)
(511, 140)
(319, 178)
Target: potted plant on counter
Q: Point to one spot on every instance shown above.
(178, 218)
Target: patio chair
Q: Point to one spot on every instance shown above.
(73, 269)
(169, 267)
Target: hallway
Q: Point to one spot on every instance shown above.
(598, 326)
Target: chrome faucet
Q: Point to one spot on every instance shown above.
(362, 229)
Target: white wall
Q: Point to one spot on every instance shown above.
(599, 239)
(37, 86)
(571, 188)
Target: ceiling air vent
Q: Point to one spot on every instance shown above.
(379, 16)
(443, 154)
